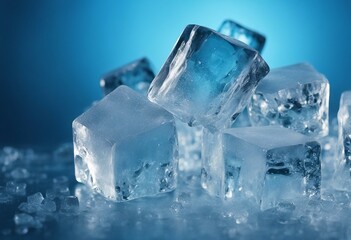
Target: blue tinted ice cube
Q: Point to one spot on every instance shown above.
(126, 147)
(267, 164)
(208, 78)
(243, 34)
(344, 128)
(136, 75)
(296, 97)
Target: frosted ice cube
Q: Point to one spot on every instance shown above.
(344, 130)
(70, 204)
(267, 164)
(35, 199)
(14, 188)
(48, 205)
(137, 75)
(208, 78)
(23, 219)
(243, 34)
(296, 97)
(126, 147)
(19, 173)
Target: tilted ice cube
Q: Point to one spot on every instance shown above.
(268, 164)
(136, 75)
(344, 122)
(208, 78)
(126, 147)
(243, 34)
(296, 97)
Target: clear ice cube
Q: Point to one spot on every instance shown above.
(295, 97)
(208, 78)
(243, 34)
(126, 147)
(137, 75)
(344, 129)
(266, 164)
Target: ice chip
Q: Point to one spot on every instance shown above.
(15, 188)
(126, 147)
(208, 78)
(296, 97)
(23, 219)
(243, 34)
(48, 205)
(70, 204)
(136, 75)
(19, 173)
(35, 199)
(267, 164)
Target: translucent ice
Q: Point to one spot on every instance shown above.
(136, 75)
(70, 204)
(126, 147)
(190, 141)
(295, 97)
(344, 140)
(267, 164)
(15, 188)
(208, 78)
(20, 173)
(243, 34)
(35, 199)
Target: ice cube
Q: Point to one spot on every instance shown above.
(15, 188)
(70, 204)
(137, 75)
(208, 78)
(23, 219)
(48, 205)
(243, 34)
(35, 199)
(19, 173)
(126, 147)
(344, 129)
(267, 164)
(28, 208)
(296, 97)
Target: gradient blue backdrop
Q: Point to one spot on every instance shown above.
(52, 53)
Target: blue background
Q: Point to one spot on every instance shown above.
(52, 53)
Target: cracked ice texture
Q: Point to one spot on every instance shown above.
(126, 147)
(137, 75)
(243, 34)
(208, 78)
(344, 129)
(295, 97)
(267, 164)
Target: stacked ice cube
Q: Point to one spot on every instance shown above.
(126, 146)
